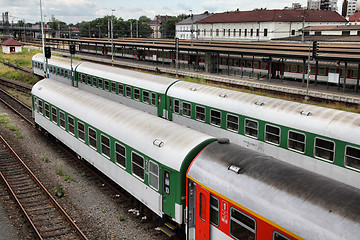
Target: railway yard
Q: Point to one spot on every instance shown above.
(91, 204)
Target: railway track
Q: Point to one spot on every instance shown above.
(44, 214)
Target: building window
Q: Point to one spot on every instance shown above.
(54, 114)
(257, 32)
(200, 113)
(251, 32)
(296, 141)
(71, 125)
(186, 109)
(138, 163)
(272, 134)
(293, 32)
(228, 32)
(232, 122)
(324, 149)
(47, 110)
(105, 146)
(136, 94)
(234, 32)
(224, 30)
(204, 32)
(154, 175)
(239, 32)
(241, 225)
(81, 131)
(217, 32)
(265, 32)
(120, 155)
(92, 138)
(214, 210)
(176, 106)
(245, 32)
(251, 128)
(215, 117)
(211, 32)
(62, 119)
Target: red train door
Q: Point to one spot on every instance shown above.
(202, 213)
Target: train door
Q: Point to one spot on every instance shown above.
(202, 213)
(169, 192)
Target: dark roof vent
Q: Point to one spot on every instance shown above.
(223, 141)
(223, 95)
(259, 103)
(305, 113)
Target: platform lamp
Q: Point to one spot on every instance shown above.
(72, 52)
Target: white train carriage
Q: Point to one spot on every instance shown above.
(142, 91)
(236, 193)
(314, 138)
(146, 155)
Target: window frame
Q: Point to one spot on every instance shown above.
(142, 167)
(231, 218)
(78, 131)
(227, 122)
(100, 83)
(92, 138)
(257, 128)
(281, 235)
(53, 109)
(265, 133)
(116, 154)
(47, 112)
(185, 115)
(354, 157)
(146, 94)
(113, 87)
(73, 125)
(121, 89)
(333, 150)
(215, 209)
(62, 120)
(40, 106)
(202, 114)
(211, 118)
(127, 91)
(103, 136)
(156, 175)
(288, 139)
(137, 94)
(176, 106)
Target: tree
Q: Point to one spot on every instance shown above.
(170, 27)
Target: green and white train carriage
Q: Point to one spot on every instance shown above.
(142, 91)
(325, 141)
(129, 146)
(59, 68)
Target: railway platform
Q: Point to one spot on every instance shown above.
(322, 91)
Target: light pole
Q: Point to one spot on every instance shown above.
(112, 37)
(43, 41)
(192, 30)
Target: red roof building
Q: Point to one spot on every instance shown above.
(11, 46)
(355, 17)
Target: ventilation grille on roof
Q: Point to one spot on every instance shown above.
(305, 113)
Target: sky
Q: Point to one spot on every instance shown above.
(73, 11)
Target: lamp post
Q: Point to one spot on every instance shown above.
(43, 41)
(192, 30)
(112, 37)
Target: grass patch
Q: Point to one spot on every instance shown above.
(103, 210)
(59, 169)
(121, 218)
(59, 190)
(69, 178)
(4, 118)
(23, 58)
(45, 159)
(17, 75)
(82, 174)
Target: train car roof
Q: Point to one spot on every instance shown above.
(142, 80)
(58, 61)
(133, 127)
(305, 203)
(322, 121)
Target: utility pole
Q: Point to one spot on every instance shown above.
(112, 37)
(43, 41)
(108, 30)
(156, 27)
(89, 31)
(192, 30)
(137, 29)
(131, 35)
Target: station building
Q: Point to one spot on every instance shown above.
(263, 25)
(11, 46)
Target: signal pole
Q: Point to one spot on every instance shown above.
(112, 37)
(43, 41)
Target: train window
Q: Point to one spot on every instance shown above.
(128, 91)
(47, 111)
(92, 138)
(215, 117)
(154, 175)
(324, 149)
(354, 73)
(332, 70)
(62, 72)
(54, 114)
(62, 119)
(106, 85)
(263, 65)
(50, 69)
(232, 122)
(94, 82)
(81, 131)
(120, 155)
(136, 94)
(176, 106)
(322, 71)
(313, 70)
(58, 71)
(241, 225)
(352, 157)
(153, 99)
(279, 236)
(296, 141)
(202, 209)
(71, 125)
(200, 113)
(66, 74)
(186, 109)
(272, 134)
(256, 64)
(113, 87)
(121, 89)
(251, 128)
(83, 77)
(214, 210)
(294, 68)
(105, 146)
(146, 97)
(100, 83)
(40, 107)
(88, 80)
(137, 163)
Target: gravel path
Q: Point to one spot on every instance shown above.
(97, 211)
